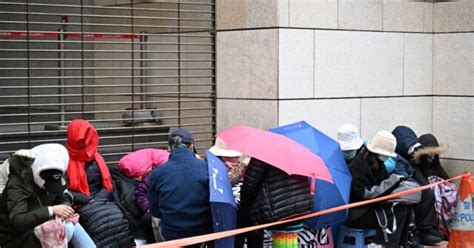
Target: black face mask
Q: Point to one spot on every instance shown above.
(56, 191)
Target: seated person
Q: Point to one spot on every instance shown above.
(34, 194)
(269, 194)
(425, 212)
(350, 141)
(179, 192)
(426, 158)
(91, 184)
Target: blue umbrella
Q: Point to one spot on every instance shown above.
(327, 195)
(223, 206)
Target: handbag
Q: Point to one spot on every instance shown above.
(408, 199)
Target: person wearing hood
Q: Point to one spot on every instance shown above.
(34, 194)
(5, 166)
(350, 141)
(91, 184)
(426, 158)
(370, 179)
(425, 212)
(88, 174)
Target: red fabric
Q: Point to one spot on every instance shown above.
(461, 239)
(467, 186)
(82, 142)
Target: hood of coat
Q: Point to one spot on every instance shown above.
(406, 138)
(20, 162)
(429, 147)
(139, 163)
(49, 156)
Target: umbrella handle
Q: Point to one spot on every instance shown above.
(313, 185)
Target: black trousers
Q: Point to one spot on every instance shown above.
(425, 212)
(368, 220)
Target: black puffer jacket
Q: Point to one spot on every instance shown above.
(106, 224)
(94, 179)
(269, 194)
(124, 196)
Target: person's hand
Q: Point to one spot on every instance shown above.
(63, 211)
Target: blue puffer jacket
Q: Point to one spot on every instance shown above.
(179, 195)
(406, 138)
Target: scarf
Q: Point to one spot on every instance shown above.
(82, 142)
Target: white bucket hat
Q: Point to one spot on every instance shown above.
(348, 137)
(383, 143)
(220, 150)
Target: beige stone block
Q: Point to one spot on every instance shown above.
(453, 121)
(313, 14)
(326, 115)
(283, 13)
(253, 113)
(457, 167)
(453, 67)
(418, 64)
(402, 15)
(351, 63)
(454, 16)
(238, 14)
(247, 64)
(360, 14)
(428, 17)
(387, 113)
(296, 63)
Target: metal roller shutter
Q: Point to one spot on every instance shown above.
(135, 69)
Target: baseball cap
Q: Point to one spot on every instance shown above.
(186, 136)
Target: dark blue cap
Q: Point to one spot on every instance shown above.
(186, 136)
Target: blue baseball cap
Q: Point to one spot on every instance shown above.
(186, 136)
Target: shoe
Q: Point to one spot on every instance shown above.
(413, 241)
(426, 238)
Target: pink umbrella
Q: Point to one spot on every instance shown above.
(277, 150)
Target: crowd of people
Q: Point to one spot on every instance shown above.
(53, 195)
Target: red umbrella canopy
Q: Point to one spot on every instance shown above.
(277, 150)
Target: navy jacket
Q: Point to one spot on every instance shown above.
(179, 196)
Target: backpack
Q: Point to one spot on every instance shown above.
(445, 203)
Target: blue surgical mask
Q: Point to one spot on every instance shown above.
(349, 154)
(389, 163)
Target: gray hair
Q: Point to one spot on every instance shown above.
(177, 142)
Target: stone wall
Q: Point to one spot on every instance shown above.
(376, 64)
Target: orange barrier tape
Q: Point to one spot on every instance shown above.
(219, 235)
